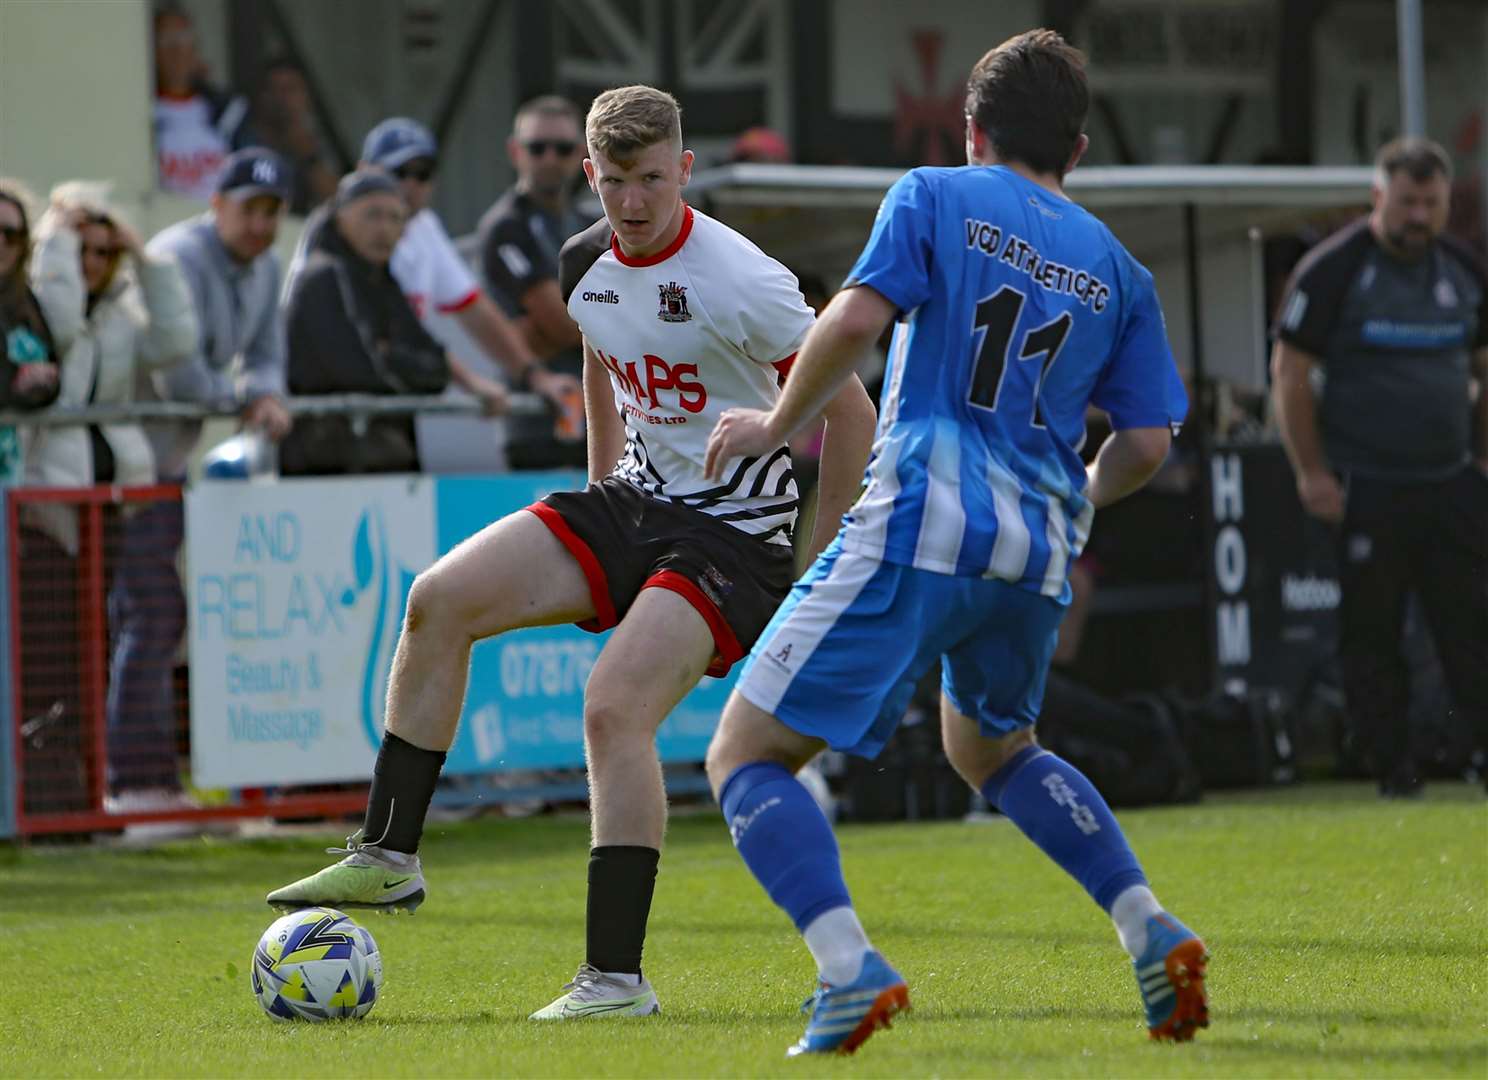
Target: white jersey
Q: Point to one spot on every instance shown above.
(708, 324)
(189, 149)
(429, 270)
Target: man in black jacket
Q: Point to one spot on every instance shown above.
(352, 330)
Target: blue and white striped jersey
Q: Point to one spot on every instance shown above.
(1019, 308)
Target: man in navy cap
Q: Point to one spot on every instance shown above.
(428, 268)
(233, 276)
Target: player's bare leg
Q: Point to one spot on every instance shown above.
(1058, 809)
(657, 654)
(511, 574)
(787, 843)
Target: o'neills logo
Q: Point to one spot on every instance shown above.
(609, 296)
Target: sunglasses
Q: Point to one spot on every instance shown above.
(422, 171)
(13, 234)
(561, 147)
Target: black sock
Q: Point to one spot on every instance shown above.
(621, 881)
(402, 785)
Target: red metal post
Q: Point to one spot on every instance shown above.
(94, 644)
(13, 548)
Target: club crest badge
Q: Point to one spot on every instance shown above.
(673, 303)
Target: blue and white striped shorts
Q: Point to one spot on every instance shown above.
(840, 659)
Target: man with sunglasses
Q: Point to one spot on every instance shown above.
(520, 237)
(428, 268)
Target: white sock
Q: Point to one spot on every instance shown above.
(1130, 913)
(624, 978)
(837, 943)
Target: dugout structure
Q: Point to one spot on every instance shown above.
(1203, 232)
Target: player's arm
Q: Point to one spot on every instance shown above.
(1126, 460)
(605, 428)
(850, 418)
(1296, 416)
(851, 323)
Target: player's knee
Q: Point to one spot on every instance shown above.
(980, 758)
(608, 723)
(433, 606)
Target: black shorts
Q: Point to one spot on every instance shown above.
(626, 542)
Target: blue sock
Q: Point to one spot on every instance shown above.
(785, 840)
(1060, 811)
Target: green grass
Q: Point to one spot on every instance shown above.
(1350, 938)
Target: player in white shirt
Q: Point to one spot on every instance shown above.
(682, 319)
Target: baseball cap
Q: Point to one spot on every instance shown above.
(397, 141)
(355, 185)
(251, 171)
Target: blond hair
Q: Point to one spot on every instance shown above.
(624, 121)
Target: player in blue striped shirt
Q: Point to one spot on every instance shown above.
(1016, 310)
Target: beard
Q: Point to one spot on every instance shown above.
(1412, 239)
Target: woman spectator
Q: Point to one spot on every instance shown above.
(137, 315)
(352, 330)
(41, 310)
(36, 323)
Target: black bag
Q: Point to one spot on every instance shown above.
(1132, 750)
(1239, 739)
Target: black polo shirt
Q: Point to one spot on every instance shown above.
(1395, 339)
(519, 245)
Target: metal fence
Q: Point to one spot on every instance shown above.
(93, 630)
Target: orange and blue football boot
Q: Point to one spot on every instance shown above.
(1170, 974)
(842, 1017)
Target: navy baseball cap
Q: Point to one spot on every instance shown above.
(254, 170)
(398, 141)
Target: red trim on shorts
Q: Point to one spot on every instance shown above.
(599, 585)
(782, 367)
(460, 304)
(728, 651)
(665, 253)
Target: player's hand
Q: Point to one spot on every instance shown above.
(268, 415)
(1321, 494)
(557, 387)
(738, 433)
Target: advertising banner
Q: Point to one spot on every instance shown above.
(296, 594)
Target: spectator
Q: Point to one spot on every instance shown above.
(1394, 315)
(351, 330)
(520, 236)
(138, 317)
(36, 325)
(196, 124)
(761, 146)
(41, 311)
(427, 266)
(233, 280)
(284, 121)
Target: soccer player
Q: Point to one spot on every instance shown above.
(682, 318)
(1017, 309)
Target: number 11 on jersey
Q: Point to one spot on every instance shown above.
(996, 319)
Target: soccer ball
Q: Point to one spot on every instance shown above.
(316, 964)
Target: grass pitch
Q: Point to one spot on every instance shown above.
(1350, 938)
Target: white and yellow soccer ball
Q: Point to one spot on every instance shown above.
(316, 964)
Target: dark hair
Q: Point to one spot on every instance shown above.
(548, 105)
(1418, 158)
(15, 290)
(1029, 97)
